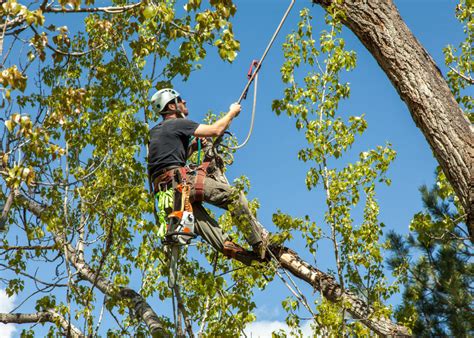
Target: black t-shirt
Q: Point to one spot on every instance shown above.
(169, 141)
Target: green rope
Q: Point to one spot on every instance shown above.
(165, 202)
(199, 152)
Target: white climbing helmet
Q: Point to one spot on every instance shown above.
(162, 97)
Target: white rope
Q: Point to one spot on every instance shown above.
(254, 105)
(254, 75)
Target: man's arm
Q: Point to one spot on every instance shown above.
(218, 127)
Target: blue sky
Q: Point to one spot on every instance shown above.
(270, 158)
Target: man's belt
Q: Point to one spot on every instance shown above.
(165, 176)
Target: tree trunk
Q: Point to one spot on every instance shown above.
(419, 82)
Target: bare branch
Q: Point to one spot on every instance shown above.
(326, 284)
(2, 36)
(110, 9)
(41, 317)
(34, 277)
(27, 247)
(182, 308)
(334, 293)
(469, 79)
(14, 23)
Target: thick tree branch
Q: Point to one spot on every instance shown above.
(419, 82)
(42, 317)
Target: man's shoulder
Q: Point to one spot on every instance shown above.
(183, 124)
(184, 121)
(174, 124)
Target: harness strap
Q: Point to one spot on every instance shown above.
(201, 173)
(183, 173)
(163, 180)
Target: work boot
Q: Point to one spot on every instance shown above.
(233, 250)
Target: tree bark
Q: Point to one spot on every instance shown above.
(419, 82)
(42, 317)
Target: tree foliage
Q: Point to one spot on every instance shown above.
(434, 262)
(313, 71)
(460, 59)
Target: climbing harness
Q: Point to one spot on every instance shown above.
(253, 76)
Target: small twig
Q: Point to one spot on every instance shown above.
(467, 78)
(78, 180)
(26, 247)
(117, 321)
(33, 277)
(298, 294)
(75, 54)
(100, 317)
(233, 270)
(31, 295)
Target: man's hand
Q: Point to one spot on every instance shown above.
(203, 141)
(218, 127)
(235, 109)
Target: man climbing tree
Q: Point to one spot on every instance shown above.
(168, 151)
(73, 177)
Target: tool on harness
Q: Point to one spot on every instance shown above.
(181, 222)
(199, 148)
(165, 202)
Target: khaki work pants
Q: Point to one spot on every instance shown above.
(225, 197)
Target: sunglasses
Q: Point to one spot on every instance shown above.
(179, 99)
